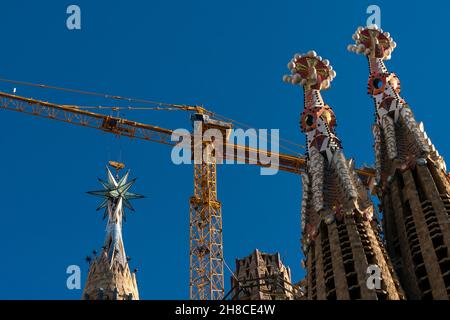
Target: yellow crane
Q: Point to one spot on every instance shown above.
(206, 246)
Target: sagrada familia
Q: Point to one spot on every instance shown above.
(341, 235)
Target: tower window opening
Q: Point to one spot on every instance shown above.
(377, 83)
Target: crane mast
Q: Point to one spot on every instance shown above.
(206, 243)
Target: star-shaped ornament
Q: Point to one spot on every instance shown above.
(114, 190)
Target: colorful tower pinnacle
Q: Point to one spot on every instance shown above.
(109, 275)
(413, 186)
(340, 240)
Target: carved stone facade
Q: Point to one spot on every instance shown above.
(338, 259)
(110, 282)
(262, 276)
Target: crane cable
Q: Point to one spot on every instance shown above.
(229, 269)
(103, 95)
(160, 105)
(115, 108)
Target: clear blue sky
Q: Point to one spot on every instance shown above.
(229, 56)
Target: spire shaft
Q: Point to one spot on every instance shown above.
(413, 186)
(109, 274)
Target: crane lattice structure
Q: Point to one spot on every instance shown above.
(206, 246)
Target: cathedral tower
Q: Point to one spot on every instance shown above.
(262, 276)
(339, 234)
(109, 275)
(412, 183)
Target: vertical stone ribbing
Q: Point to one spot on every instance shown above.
(311, 274)
(320, 276)
(391, 288)
(342, 292)
(410, 268)
(431, 192)
(391, 232)
(425, 248)
(359, 258)
(328, 272)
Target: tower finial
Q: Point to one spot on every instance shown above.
(318, 120)
(373, 43)
(310, 71)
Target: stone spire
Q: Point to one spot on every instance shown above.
(413, 185)
(109, 275)
(340, 239)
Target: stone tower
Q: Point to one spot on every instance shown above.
(109, 275)
(412, 183)
(261, 276)
(339, 233)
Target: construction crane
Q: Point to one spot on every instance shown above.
(206, 246)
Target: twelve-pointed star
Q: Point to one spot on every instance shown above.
(115, 190)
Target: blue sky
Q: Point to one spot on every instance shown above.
(230, 57)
